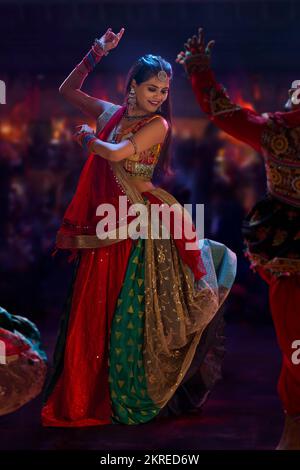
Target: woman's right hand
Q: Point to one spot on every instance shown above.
(84, 136)
(109, 40)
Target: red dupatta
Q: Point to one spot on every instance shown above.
(96, 185)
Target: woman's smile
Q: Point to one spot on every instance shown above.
(154, 103)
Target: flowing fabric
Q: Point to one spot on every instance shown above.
(79, 394)
(97, 185)
(136, 312)
(147, 365)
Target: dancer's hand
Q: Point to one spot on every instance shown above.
(84, 136)
(109, 40)
(82, 129)
(196, 52)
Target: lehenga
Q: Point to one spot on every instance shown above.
(141, 323)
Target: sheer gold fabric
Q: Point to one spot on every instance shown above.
(177, 311)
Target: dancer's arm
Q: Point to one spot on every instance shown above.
(150, 134)
(71, 87)
(242, 123)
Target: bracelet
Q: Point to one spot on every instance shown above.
(92, 58)
(98, 43)
(99, 54)
(90, 143)
(87, 140)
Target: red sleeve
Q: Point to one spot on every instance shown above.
(242, 123)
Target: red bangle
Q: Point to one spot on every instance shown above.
(90, 143)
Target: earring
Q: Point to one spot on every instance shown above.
(159, 109)
(131, 99)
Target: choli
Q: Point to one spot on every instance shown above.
(281, 147)
(140, 165)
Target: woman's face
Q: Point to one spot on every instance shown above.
(151, 94)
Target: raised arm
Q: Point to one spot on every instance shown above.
(242, 123)
(71, 87)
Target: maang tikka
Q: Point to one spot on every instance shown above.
(162, 74)
(163, 77)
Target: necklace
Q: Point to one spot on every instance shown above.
(132, 118)
(116, 129)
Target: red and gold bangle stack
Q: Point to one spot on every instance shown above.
(86, 139)
(92, 58)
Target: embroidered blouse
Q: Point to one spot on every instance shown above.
(140, 165)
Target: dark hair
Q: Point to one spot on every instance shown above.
(144, 68)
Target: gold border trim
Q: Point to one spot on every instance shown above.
(277, 264)
(88, 241)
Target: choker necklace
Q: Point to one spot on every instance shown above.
(136, 117)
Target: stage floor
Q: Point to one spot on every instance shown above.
(243, 411)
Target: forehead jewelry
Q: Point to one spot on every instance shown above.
(162, 75)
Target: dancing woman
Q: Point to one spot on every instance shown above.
(139, 321)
